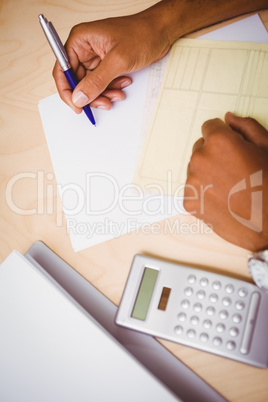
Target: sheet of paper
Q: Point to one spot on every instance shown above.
(250, 29)
(53, 350)
(94, 167)
(203, 80)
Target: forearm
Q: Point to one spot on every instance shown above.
(101, 51)
(176, 18)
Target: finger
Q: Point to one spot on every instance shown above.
(64, 88)
(101, 102)
(95, 82)
(120, 83)
(80, 72)
(93, 63)
(197, 145)
(212, 127)
(105, 100)
(249, 128)
(81, 60)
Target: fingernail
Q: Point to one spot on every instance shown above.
(80, 99)
(116, 99)
(102, 107)
(125, 83)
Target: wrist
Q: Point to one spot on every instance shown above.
(165, 19)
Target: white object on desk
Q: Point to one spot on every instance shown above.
(51, 350)
(94, 168)
(250, 29)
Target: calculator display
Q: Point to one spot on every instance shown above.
(144, 295)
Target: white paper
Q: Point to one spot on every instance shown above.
(250, 29)
(51, 349)
(94, 167)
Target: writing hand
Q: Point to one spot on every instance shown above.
(101, 52)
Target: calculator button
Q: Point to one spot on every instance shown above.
(239, 305)
(197, 307)
(182, 317)
(216, 285)
(210, 310)
(191, 279)
(204, 337)
(223, 314)
(178, 329)
(234, 332)
(231, 345)
(207, 324)
(237, 318)
(185, 304)
(226, 301)
(220, 328)
(213, 298)
(250, 323)
(201, 294)
(188, 291)
(194, 320)
(229, 289)
(191, 333)
(242, 292)
(204, 282)
(217, 341)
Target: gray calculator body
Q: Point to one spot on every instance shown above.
(197, 308)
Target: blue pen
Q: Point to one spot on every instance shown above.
(61, 56)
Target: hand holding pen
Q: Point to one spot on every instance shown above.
(102, 52)
(62, 58)
(80, 59)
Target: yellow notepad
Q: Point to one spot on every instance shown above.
(203, 80)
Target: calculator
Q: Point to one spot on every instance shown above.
(197, 308)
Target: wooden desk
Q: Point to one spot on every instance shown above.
(26, 64)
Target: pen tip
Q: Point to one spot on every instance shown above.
(95, 125)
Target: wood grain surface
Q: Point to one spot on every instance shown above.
(30, 208)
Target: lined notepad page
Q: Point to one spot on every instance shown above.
(204, 80)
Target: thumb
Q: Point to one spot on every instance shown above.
(249, 128)
(95, 82)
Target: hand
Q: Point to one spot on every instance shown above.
(100, 52)
(227, 180)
